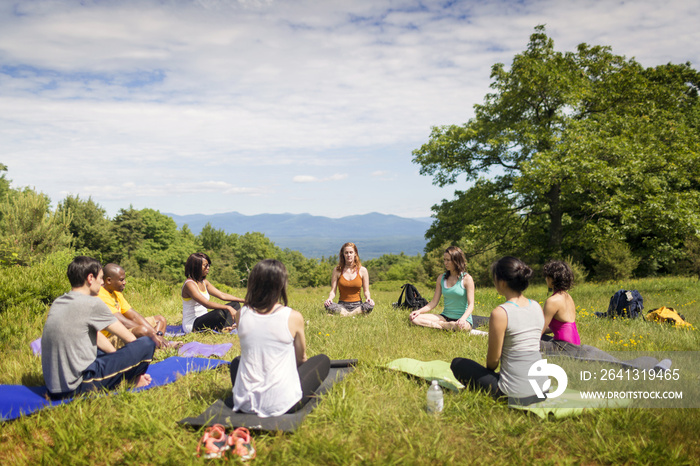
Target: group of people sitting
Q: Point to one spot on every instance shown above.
(518, 328)
(94, 340)
(90, 344)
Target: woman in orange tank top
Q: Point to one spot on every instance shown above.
(349, 277)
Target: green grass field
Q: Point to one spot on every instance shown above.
(374, 416)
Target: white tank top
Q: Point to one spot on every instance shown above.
(267, 382)
(191, 309)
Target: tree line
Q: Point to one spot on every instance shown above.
(148, 244)
(145, 242)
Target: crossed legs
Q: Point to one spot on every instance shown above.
(438, 321)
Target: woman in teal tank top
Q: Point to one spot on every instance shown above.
(457, 286)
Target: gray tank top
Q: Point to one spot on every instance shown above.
(521, 348)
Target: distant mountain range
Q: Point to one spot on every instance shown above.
(314, 236)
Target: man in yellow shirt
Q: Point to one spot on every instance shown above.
(111, 294)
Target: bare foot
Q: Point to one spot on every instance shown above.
(143, 380)
(174, 344)
(463, 326)
(449, 325)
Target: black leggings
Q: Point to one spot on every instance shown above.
(477, 377)
(215, 319)
(311, 375)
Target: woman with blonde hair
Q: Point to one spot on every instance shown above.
(349, 277)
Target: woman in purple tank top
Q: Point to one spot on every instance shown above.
(559, 309)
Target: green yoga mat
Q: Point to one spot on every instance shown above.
(570, 404)
(430, 370)
(567, 404)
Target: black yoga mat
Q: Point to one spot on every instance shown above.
(221, 411)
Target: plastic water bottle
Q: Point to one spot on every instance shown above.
(435, 401)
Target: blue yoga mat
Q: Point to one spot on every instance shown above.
(174, 331)
(20, 400)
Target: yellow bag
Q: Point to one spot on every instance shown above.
(668, 315)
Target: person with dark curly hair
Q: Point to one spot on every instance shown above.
(559, 309)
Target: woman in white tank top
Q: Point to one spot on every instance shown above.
(196, 298)
(272, 376)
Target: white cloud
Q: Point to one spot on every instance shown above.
(304, 179)
(129, 190)
(156, 93)
(313, 179)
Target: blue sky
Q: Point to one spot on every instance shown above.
(265, 106)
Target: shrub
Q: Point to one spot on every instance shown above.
(580, 272)
(32, 288)
(615, 260)
(479, 267)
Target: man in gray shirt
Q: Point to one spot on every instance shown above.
(75, 356)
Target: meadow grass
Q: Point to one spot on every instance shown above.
(375, 416)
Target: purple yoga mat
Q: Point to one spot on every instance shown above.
(178, 331)
(195, 348)
(36, 346)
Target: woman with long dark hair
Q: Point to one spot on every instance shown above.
(457, 286)
(272, 376)
(196, 298)
(559, 309)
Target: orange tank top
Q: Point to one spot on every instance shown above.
(350, 289)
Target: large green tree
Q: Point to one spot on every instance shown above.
(572, 150)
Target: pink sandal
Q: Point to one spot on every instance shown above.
(242, 444)
(214, 442)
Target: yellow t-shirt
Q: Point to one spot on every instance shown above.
(116, 302)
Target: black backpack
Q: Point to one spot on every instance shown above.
(624, 303)
(410, 298)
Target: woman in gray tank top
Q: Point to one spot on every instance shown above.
(514, 339)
